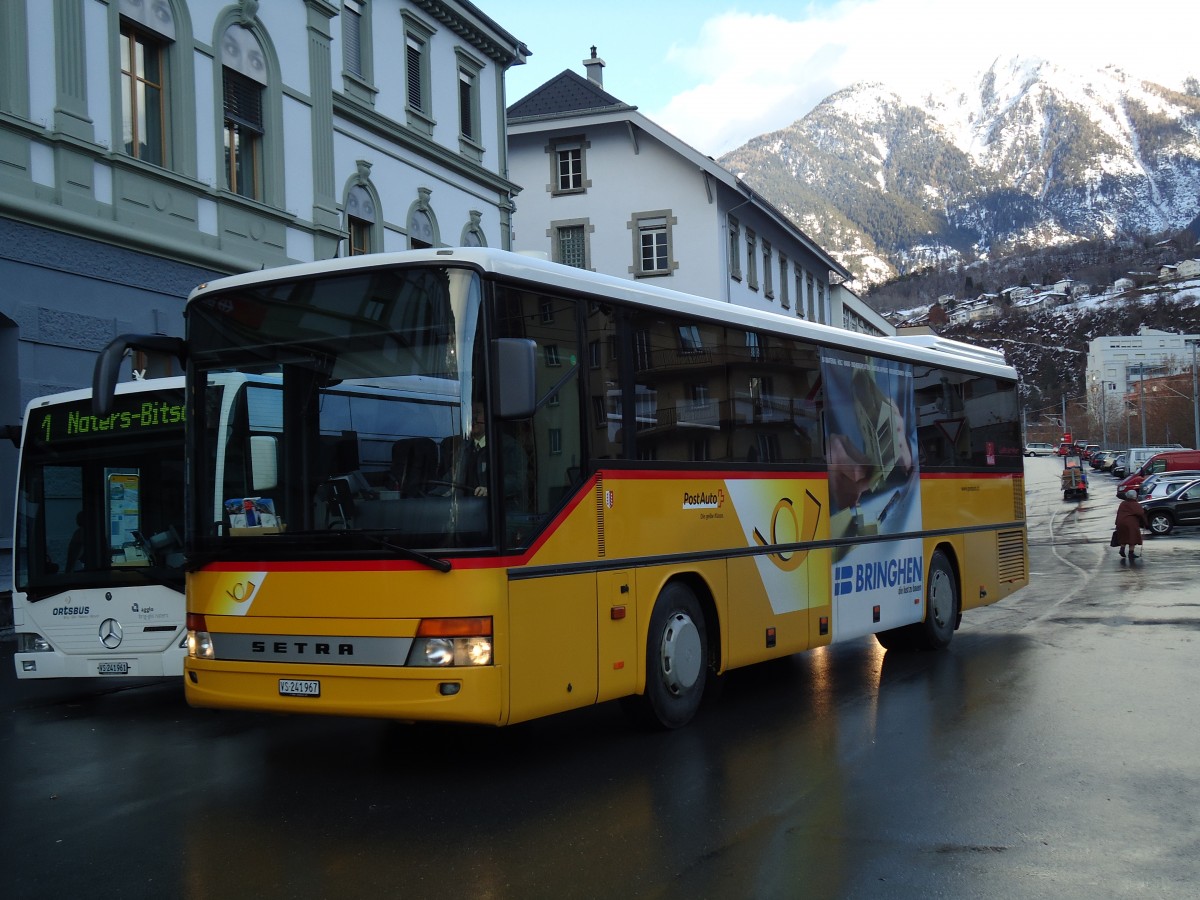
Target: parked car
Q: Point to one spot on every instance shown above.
(1179, 508)
(1171, 461)
(1096, 460)
(1087, 450)
(1118, 467)
(1109, 460)
(1153, 483)
(1037, 448)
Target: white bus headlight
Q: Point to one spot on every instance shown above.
(32, 643)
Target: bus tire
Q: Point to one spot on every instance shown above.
(676, 661)
(942, 612)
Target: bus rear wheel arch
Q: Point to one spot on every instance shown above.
(678, 667)
(943, 611)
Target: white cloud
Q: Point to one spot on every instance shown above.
(755, 73)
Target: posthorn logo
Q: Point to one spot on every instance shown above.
(843, 580)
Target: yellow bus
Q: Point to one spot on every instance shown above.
(468, 485)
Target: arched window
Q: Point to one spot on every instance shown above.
(244, 74)
(360, 219)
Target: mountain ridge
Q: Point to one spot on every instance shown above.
(1029, 156)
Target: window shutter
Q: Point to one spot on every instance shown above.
(243, 101)
(352, 37)
(413, 61)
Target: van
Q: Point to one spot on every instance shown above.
(1136, 456)
(1168, 461)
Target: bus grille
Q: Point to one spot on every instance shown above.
(600, 515)
(1010, 552)
(1019, 499)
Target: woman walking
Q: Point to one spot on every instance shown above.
(1131, 519)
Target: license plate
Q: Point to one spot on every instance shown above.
(292, 688)
(112, 668)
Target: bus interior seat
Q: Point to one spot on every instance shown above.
(338, 498)
(414, 465)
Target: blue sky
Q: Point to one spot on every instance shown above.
(716, 73)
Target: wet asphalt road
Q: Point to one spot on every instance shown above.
(1050, 752)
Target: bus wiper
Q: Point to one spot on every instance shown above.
(442, 565)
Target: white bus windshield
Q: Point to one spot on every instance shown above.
(99, 500)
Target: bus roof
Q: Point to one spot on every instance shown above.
(522, 267)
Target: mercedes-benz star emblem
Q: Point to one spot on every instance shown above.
(111, 633)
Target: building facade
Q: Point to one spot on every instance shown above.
(149, 145)
(607, 189)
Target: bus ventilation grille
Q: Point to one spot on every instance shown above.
(1010, 552)
(600, 515)
(1019, 499)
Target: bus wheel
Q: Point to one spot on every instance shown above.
(941, 612)
(676, 661)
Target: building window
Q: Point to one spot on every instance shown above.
(143, 95)
(594, 354)
(785, 301)
(467, 105)
(418, 102)
(570, 243)
(470, 137)
(570, 169)
(472, 234)
(735, 249)
(652, 250)
(800, 292)
(812, 310)
(751, 260)
(555, 436)
(547, 312)
(550, 351)
(768, 272)
(643, 351)
(244, 81)
(414, 58)
(753, 345)
(352, 61)
(360, 219)
(243, 135)
(420, 230)
(358, 66)
(689, 339)
(568, 166)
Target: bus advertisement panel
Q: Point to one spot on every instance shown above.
(98, 575)
(614, 491)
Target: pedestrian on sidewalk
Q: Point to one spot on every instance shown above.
(1131, 519)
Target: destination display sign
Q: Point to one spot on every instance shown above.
(142, 413)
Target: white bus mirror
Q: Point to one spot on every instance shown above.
(264, 466)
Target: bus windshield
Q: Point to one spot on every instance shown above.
(340, 412)
(99, 499)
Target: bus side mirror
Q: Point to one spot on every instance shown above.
(264, 463)
(108, 363)
(516, 378)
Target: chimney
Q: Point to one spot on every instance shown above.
(595, 69)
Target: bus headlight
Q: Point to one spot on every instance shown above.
(443, 643)
(446, 651)
(200, 645)
(32, 643)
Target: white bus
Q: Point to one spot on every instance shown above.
(98, 554)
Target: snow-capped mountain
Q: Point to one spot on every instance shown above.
(1030, 155)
